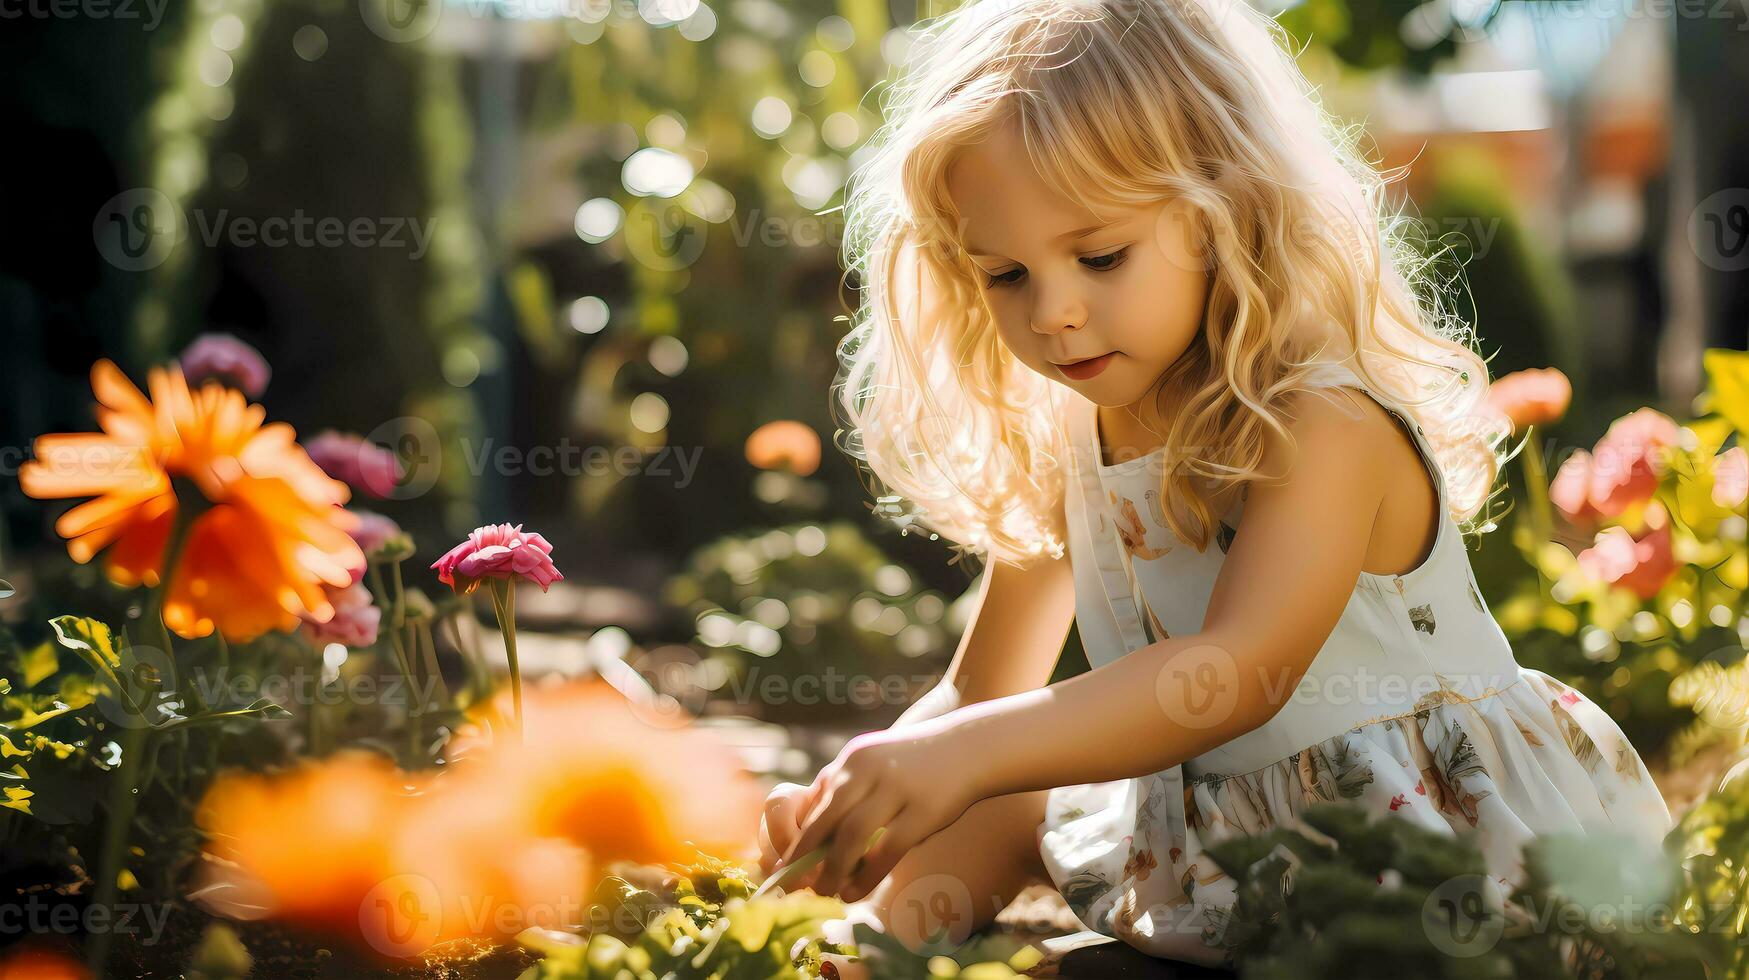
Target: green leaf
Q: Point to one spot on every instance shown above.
(95, 643)
(751, 925)
(261, 708)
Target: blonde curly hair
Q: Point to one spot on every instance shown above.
(1128, 103)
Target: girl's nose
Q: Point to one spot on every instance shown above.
(1054, 313)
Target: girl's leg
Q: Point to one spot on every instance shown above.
(956, 882)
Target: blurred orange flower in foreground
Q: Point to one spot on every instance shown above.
(506, 837)
(255, 560)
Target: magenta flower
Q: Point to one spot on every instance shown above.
(222, 356)
(355, 461)
(498, 551)
(374, 531)
(354, 622)
(499, 554)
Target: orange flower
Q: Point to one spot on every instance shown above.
(255, 560)
(594, 770)
(1534, 397)
(785, 444)
(307, 845)
(507, 836)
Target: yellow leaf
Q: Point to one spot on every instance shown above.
(1728, 380)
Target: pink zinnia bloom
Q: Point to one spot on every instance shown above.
(222, 356)
(373, 531)
(498, 551)
(354, 622)
(1731, 478)
(351, 459)
(1642, 564)
(1534, 397)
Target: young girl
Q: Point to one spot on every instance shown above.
(1137, 330)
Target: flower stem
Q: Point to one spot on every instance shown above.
(504, 606)
(1536, 484)
(394, 605)
(135, 742)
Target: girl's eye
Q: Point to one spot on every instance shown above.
(1100, 263)
(1109, 260)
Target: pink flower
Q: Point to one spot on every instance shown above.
(1731, 478)
(1621, 471)
(356, 462)
(1640, 564)
(374, 531)
(222, 356)
(1534, 397)
(498, 551)
(1571, 488)
(354, 622)
(1630, 458)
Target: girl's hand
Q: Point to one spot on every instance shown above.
(912, 782)
(779, 827)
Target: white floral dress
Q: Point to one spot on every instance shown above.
(1414, 708)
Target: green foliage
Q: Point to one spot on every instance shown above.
(704, 924)
(1712, 841)
(813, 601)
(1338, 889)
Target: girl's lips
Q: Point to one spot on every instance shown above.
(1090, 368)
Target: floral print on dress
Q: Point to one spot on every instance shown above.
(1578, 743)
(1081, 891)
(1453, 761)
(1422, 618)
(1131, 530)
(1328, 777)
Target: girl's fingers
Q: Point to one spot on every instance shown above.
(767, 850)
(779, 824)
(883, 857)
(849, 842)
(835, 805)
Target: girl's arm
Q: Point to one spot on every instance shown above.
(1287, 577)
(1010, 645)
(1012, 641)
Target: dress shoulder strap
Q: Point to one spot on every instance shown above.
(1336, 374)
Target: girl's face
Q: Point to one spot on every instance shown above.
(1101, 303)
